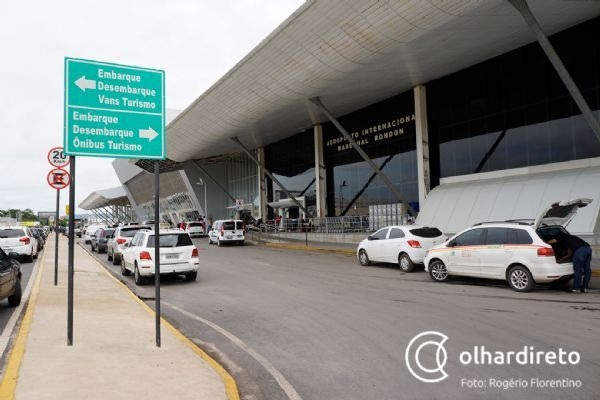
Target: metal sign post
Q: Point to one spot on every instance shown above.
(157, 248)
(58, 159)
(71, 255)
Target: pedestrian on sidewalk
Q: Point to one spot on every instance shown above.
(580, 252)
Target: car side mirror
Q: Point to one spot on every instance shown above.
(370, 237)
(14, 255)
(451, 243)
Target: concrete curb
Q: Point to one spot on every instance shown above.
(290, 246)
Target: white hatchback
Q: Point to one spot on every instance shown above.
(227, 231)
(178, 255)
(195, 228)
(515, 251)
(405, 245)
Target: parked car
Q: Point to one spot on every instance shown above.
(10, 278)
(227, 231)
(39, 237)
(121, 237)
(515, 251)
(100, 239)
(19, 239)
(405, 245)
(178, 255)
(194, 228)
(90, 231)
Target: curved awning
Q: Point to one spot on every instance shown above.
(351, 53)
(105, 198)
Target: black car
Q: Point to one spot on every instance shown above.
(10, 278)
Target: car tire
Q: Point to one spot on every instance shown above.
(29, 258)
(242, 243)
(363, 258)
(124, 270)
(405, 263)
(92, 248)
(438, 271)
(520, 279)
(117, 260)
(191, 276)
(15, 299)
(109, 255)
(137, 278)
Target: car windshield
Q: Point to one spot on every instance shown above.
(11, 233)
(171, 240)
(426, 232)
(193, 224)
(229, 225)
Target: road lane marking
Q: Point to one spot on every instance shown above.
(278, 376)
(231, 389)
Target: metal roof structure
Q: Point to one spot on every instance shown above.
(351, 53)
(105, 198)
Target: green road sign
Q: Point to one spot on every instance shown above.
(114, 110)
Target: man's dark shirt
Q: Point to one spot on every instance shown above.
(572, 242)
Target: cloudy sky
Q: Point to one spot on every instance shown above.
(194, 42)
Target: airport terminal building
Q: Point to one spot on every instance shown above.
(451, 112)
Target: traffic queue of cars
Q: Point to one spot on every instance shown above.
(133, 248)
(17, 243)
(515, 251)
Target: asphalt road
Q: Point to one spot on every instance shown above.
(305, 325)
(7, 322)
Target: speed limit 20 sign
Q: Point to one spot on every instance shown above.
(58, 158)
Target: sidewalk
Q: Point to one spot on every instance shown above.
(113, 355)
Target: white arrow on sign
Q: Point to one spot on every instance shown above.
(83, 83)
(149, 134)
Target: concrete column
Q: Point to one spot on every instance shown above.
(422, 143)
(262, 186)
(320, 172)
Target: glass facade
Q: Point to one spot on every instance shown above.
(242, 183)
(514, 111)
(292, 163)
(386, 132)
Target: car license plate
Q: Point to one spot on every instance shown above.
(229, 237)
(172, 256)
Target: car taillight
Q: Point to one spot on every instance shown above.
(195, 253)
(414, 243)
(25, 240)
(121, 241)
(145, 255)
(545, 251)
(222, 231)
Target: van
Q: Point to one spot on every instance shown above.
(227, 231)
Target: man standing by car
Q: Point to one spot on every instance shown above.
(580, 252)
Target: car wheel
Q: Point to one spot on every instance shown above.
(138, 279)
(28, 258)
(519, 279)
(117, 259)
(191, 276)
(242, 243)
(405, 263)
(124, 270)
(92, 247)
(109, 255)
(15, 298)
(438, 271)
(363, 258)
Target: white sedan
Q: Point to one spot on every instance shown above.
(178, 255)
(406, 245)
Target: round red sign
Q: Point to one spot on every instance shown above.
(58, 178)
(58, 158)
